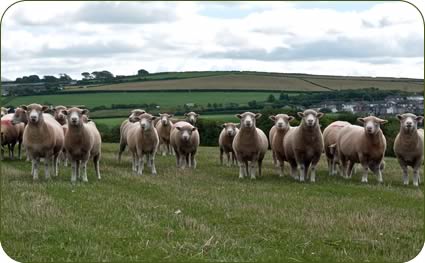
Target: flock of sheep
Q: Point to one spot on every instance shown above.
(68, 134)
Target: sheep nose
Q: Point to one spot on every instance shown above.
(369, 129)
(409, 124)
(73, 119)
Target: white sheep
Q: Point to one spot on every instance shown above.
(82, 142)
(192, 117)
(11, 135)
(163, 126)
(277, 134)
(250, 145)
(133, 118)
(225, 141)
(330, 134)
(142, 139)
(185, 140)
(409, 146)
(303, 145)
(365, 145)
(43, 138)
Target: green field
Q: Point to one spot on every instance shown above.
(218, 117)
(165, 99)
(207, 215)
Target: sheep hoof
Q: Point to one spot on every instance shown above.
(154, 174)
(416, 184)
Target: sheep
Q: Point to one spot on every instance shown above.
(163, 126)
(43, 138)
(303, 145)
(330, 135)
(192, 117)
(409, 146)
(4, 111)
(277, 134)
(142, 139)
(58, 113)
(82, 142)
(10, 135)
(184, 139)
(250, 145)
(225, 141)
(365, 145)
(133, 118)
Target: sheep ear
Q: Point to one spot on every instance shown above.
(85, 111)
(24, 107)
(197, 115)
(238, 116)
(320, 115)
(399, 117)
(153, 118)
(361, 120)
(300, 114)
(291, 118)
(7, 109)
(170, 115)
(223, 125)
(44, 108)
(194, 129)
(65, 112)
(258, 115)
(178, 128)
(272, 117)
(419, 119)
(381, 121)
(185, 114)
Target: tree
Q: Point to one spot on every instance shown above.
(271, 98)
(64, 77)
(283, 96)
(33, 78)
(50, 78)
(86, 76)
(103, 75)
(142, 72)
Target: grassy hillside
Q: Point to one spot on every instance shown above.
(207, 215)
(165, 99)
(254, 81)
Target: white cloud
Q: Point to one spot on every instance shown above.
(53, 37)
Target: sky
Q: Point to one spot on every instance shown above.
(335, 38)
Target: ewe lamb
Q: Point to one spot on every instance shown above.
(142, 139)
(225, 142)
(163, 126)
(409, 146)
(277, 134)
(184, 139)
(82, 142)
(365, 145)
(330, 135)
(303, 145)
(250, 145)
(10, 135)
(133, 118)
(43, 138)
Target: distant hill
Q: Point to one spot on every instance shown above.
(252, 81)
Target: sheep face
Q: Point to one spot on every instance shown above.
(310, 117)
(409, 121)
(248, 119)
(230, 128)
(371, 124)
(4, 111)
(281, 121)
(75, 116)
(146, 121)
(192, 117)
(34, 112)
(59, 113)
(19, 116)
(165, 118)
(185, 132)
(134, 115)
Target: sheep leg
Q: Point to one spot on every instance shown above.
(34, 169)
(416, 175)
(260, 164)
(19, 150)
(330, 166)
(73, 171)
(404, 168)
(274, 159)
(281, 165)
(56, 164)
(252, 169)
(121, 150)
(228, 159)
(221, 156)
(96, 160)
(365, 171)
(148, 160)
(47, 162)
(134, 166)
(177, 160)
(153, 164)
(193, 160)
(350, 169)
(141, 164)
(313, 172)
(241, 168)
(78, 169)
(11, 151)
(302, 170)
(84, 167)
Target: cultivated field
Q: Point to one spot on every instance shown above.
(208, 214)
(256, 81)
(165, 99)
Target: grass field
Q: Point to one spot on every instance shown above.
(207, 214)
(219, 117)
(165, 99)
(257, 81)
